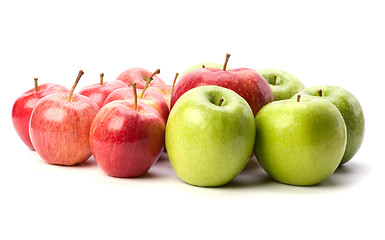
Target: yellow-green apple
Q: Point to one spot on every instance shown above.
(23, 106)
(247, 82)
(139, 76)
(60, 126)
(153, 99)
(127, 138)
(300, 142)
(100, 91)
(283, 84)
(351, 111)
(210, 135)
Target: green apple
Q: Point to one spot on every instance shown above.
(283, 84)
(210, 135)
(300, 142)
(204, 65)
(351, 111)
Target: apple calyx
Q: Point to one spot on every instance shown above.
(135, 96)
(226, 60)
(298, 97)
(275, 79)
(221, 101)
(173, 83)
(36, 86)
(157, 71)
(319, 92)
(80, 74)
(101, 78)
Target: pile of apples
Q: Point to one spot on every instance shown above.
(211, 122)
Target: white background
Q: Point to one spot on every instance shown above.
(329, 42)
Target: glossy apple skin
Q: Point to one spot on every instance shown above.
(23, 106)
(351, 111)
(125, 142)
(207, 144)
(99, 92)
(300, 143)
(154, 100)
(248, 83)
(286, 83)
(138, 76)
(164, 90)
(60, 128)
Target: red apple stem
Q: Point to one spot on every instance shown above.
(319, 92)
(298, 97)
(101, 78)
(135, 96)
(221, 101)
(80, 74)
(226, 61)
(274, 79)
(173, 83)
(157, 71)
(36, 86)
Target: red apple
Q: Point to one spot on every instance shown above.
(140, 77)
(23, 106)
(154, 100)
(100, 91)
(247, 82)
(127, 139)
(164, 89)
(60, 126)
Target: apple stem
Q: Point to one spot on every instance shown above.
(135, 96)
(274, 79)
(173, 83)
(157, 71)
(101, 78)
(221, 101)
(298, 97)
(319, 92)
(36, 86)
(80, 74)
(226, 60)
(203, 66)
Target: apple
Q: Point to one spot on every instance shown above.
(140, 77)
(100, 91)
(164, 89)
(23, 106)
(127, 138)
(283, 84)
(60, 126)
(300, 142)
(210, 136)
(247, 82)
(153, 99)
(204, 65)
(351, 111)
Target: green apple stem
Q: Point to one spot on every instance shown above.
(101, 78)
(157, 71)
(135, 96)
(173, 83)
(80, 74)
(226, 60)
(275, 79)
(36, 86)
(319, 92)
(298, 97)
(221, 101)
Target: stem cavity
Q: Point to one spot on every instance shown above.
(220, 101)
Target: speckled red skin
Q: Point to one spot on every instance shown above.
(138, 76)
(125, 142)
(248, 83)
(152, 99)
(59, 128)
(23, 106)
(99, 93)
